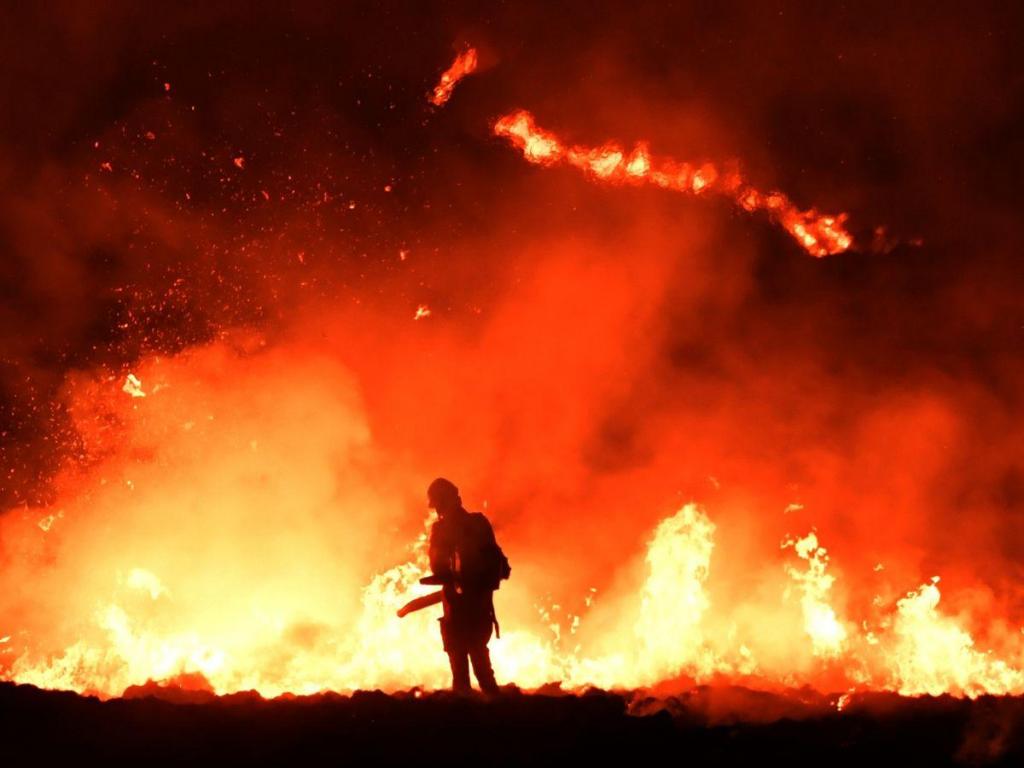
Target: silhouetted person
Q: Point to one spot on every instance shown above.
(466, 559)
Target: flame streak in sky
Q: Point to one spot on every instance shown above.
(465, 63)
(817, 233)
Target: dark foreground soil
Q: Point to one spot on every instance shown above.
(706, 726)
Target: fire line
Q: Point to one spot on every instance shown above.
(817, 233)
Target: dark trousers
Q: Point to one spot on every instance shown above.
(481, 660)
(465, 630)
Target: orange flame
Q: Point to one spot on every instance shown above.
(465, 63)
(212, 537)
(826, 633)
(818, 234)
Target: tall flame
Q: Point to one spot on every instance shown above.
(921, 651)
(826, 633)
(191, 546)
(818, 234)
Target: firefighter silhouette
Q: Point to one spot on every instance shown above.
(466, 560)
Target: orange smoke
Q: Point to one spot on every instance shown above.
(819, 234)
(236, 522)
(465, 64)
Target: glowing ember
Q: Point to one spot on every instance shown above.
(422, 311)
(465, 63)
(47, 522)
(133, 386)
(818, 234)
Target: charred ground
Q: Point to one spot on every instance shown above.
(728, 725)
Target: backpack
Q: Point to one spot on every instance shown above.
(493, 566)
(501, 569)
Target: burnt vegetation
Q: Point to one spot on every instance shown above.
(706, 726)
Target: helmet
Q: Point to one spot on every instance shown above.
(443, 493)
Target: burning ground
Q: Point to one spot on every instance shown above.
(262, 283)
